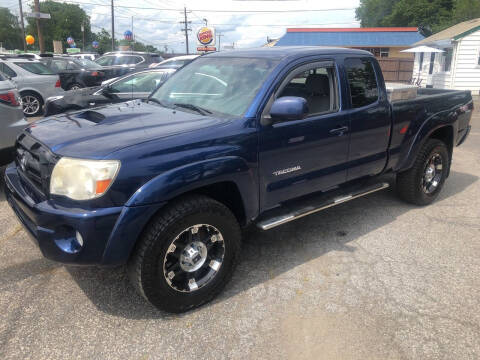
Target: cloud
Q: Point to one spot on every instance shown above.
(162, 27)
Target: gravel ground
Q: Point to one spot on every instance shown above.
(372, 279)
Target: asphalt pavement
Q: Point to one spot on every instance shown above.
(374, 278)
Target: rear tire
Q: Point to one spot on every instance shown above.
(32, 103)
(421, 184)
(75, 86)
(160, 268)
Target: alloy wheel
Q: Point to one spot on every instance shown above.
(194, 258)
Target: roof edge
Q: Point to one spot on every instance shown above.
(371, 29)
(468, 32)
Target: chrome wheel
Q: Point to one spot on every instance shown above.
(194, 258)
(75, 87)
(432, 174)
(31, 105)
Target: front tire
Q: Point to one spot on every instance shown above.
(75, 86)
(187, 254)
(421, 184)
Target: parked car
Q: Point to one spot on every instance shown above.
(12, 122)
(89, 56)
(35, 82)
(260, 136)
(133, 86)
(119, 63)
(75, 73)
(175, 62)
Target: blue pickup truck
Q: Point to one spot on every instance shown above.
(250, 137)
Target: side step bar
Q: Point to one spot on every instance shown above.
(295, 214)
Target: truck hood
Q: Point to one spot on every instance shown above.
(97, 132)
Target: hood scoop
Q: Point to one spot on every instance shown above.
(93, 116)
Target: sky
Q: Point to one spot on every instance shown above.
(244, 23)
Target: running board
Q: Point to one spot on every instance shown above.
(312, 208)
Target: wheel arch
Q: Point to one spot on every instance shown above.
(28, 90)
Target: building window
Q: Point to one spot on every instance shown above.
(448, 59)
(384, 52)
(432, 62)
(420, 62)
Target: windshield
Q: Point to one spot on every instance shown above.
(35, 67)
(221, 85)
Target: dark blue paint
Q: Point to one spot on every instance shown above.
(166, 153)
(289, 108)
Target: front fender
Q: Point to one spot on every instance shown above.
(175, 182)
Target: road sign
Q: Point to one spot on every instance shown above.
(73, 50)
(38, 15)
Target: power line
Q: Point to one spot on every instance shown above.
(215, 10)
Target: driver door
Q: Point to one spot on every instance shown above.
(302, 156)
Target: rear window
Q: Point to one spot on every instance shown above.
(7, 70)
(35, 68)
(105, 60)
(362, 82)
(128, 60)
(87, 64)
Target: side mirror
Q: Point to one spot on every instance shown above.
(289, 108)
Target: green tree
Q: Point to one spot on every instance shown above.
(104, 41)
(10, 32)
(66, 20)
(371, 12)
(434, 14)
(466, 10)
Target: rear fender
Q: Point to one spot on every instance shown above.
(424, 133)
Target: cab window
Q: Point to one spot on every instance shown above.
(362, 82)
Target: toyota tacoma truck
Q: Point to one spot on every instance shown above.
(249, 137)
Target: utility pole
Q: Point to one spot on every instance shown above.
(113, 27)
(23, 26)
(219, 38)
(83, 36)
(133, 37)
(186, 29)
(39, 28)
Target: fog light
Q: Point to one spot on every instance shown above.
(79, 239)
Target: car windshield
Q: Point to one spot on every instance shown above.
(87, 64)
(35, 68)
(221, 85)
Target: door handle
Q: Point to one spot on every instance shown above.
(339, 131)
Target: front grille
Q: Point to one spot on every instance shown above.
(34, 163)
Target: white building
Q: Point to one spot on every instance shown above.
(458, 66)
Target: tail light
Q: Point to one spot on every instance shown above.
(465, 108)
(9, 98)
(57, 84)
(94, 73)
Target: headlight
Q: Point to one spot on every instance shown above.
(83, 179)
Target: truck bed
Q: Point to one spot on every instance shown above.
(409, 116)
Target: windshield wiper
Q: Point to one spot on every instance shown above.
(156, 101)
(200, 110)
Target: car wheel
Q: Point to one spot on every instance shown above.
(32, 104)
(187, 254)
(422, 183)
(75, 86)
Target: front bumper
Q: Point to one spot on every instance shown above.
(55, 228)
(108, 235)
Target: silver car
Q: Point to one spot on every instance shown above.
(12, 120)
(35, 82)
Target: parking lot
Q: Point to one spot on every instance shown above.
(372, 279)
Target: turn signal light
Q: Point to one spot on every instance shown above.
(9, 98)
